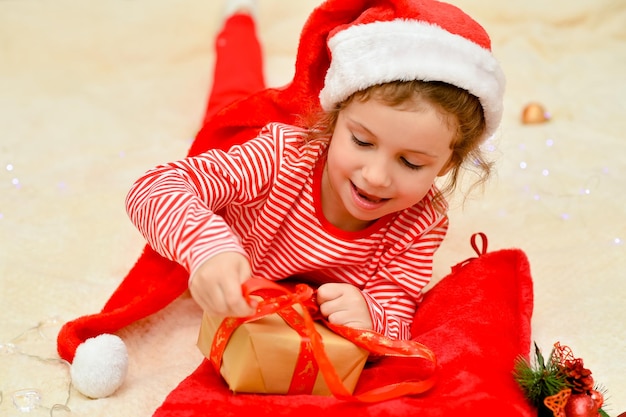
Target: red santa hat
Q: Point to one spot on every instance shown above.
(414, 40)
(345, 46)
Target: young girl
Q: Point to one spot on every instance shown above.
(347, 202)
(329, 179)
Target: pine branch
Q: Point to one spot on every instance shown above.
(539, 380)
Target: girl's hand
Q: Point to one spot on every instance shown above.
(216, 285)
(344, 304)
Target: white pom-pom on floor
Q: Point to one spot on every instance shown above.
(99, 366)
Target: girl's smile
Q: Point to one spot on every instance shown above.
(366, 201)
(383, 159)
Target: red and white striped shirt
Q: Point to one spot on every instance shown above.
(267, 194)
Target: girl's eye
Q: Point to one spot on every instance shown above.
(359, 142)
(410, 165)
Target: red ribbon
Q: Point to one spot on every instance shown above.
(278, 299)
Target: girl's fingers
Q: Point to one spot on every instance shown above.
(328, 292)
(234, 300)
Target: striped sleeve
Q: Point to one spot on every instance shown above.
(174, 205)
(394, 293)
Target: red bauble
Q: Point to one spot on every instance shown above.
(597, 398)
(581, 405)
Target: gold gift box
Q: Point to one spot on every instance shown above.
(261, 355)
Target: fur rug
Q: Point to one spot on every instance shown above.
(93, 95)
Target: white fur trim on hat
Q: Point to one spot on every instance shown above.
(364, 55)
(99, 366)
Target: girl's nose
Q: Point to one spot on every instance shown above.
(376, 173)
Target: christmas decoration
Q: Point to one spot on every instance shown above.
(560, 386)
(534, 113)
(287, 347)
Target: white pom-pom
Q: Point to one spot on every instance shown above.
(99, 366)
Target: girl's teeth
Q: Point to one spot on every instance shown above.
(370, 199)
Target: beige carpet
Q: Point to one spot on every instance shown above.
(94, 93)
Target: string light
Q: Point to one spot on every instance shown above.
(541, 195)
(29, 400)
(14, 181)
(535, 189)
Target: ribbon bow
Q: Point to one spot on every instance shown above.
(280, 300)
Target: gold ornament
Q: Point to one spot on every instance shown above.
(534, 113)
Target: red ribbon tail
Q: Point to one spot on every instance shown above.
(389, 392)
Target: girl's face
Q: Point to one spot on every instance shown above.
(383, 159)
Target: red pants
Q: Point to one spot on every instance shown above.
(238, 64)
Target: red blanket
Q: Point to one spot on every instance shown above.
(476, 320)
